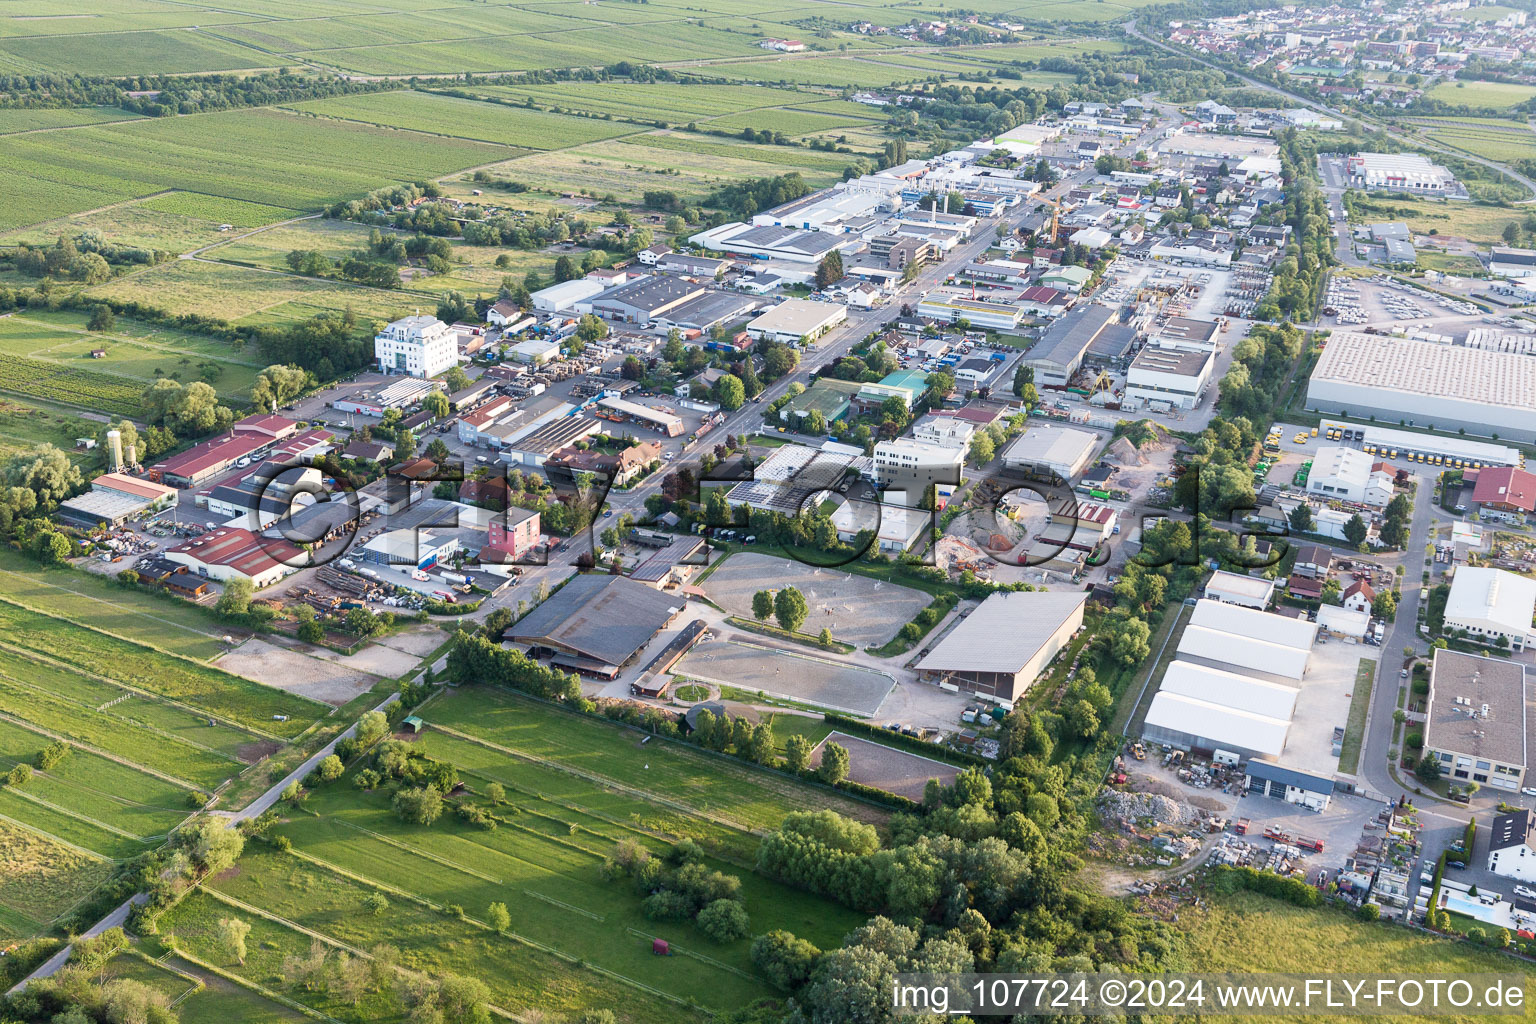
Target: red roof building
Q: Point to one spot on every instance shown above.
(230, 553)
(1506, 489)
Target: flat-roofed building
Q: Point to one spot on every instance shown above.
(1404, 172)
(1050, 449)
(1004, 645)
(910, 465)
(1476, 721)
(1184, 333)
(796, 321)
(1240, 589)
(533, 447)
(1419, 383)
(567, 294)
(643, 300)
(983, 313)
(421, 346)
(1491, 604)
(1169, 378)
(1219, 649)
(1239, 621)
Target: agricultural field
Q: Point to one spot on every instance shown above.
(173, 221)
(141, 359)
(657, 101)
(1492, 143)
(40, 879)
(271, 157)
(110, 794)
(129, 53)
(245, 295)
(834, 72)
(68, 385)
(1487, 95)
(785, 158)
(790, 122)
(26, 120)
(466, 119)
(188, 630)
(521, 977)
(627, 170)
(233, 698)
(724, 790)
(151, 733)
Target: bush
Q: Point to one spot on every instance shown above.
(725, 921)
(786, 959)
(478, 816)
(420, 806)
(330, 768)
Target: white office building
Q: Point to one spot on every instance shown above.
(1491, 603)
(422, 346)
(1169, 378)
(907, 464)
(1348, 474)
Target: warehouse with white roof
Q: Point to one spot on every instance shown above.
(1191, 723)
(1420, 383)
(1218, 686)
(1491, 603)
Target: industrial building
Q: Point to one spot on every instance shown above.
(1047, 450)
(1235, 638)
(1064, 345)
(233, 553)
(559, 298)
(1003, 646)
(250, 438)
(596, 624)
(421, 346)
(1349, 474)
(643, 300)
(1168, 378)
(1410, 444)
(1491, 604)
(534, 445)
(668, 423)
(1402, 172)
(1240, 589)
(796, 321)
(1420, 383)
(896, 527)
(1192, 723)
(768, 241)
(115, 498)
(980, 313)
(792, 475)
(1476, 721)
(1183, 333)
(414, 547)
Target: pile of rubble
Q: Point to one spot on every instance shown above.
(1138, 806)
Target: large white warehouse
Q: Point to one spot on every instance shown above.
(1422, 384)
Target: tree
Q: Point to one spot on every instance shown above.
(826, 637)
(1428, 768)
(376, 903)
(310, 631)
(1355, 530)
(982, 449)
(419, 805)
(1301, 518)
(725, 921)
(1128, 639)
(277, 385)
(496, 793)
(730, 392)
(232, 933)
(1082, 719)
(456, 379)
(435, 403)
(762, 605)
(497, 916)
(797, 754)
(330, 768)
(566, 269)
(786, 959)
(829, 270)
(362, 622)
(235, 601)
(834, 764)
(790, 609)
(102, 319)
(591, 328)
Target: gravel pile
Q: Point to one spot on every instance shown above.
(1161, 809)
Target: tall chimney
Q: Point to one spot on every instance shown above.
(114, 451)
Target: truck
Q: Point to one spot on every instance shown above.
(453, 577)
(445, 596)
(1241, 826)
(1280, 835)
